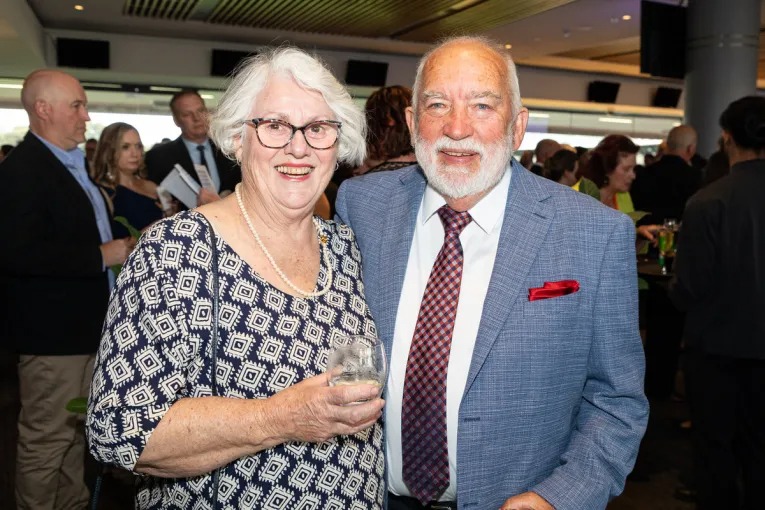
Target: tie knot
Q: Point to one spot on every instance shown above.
(454, 221)
(201, 148)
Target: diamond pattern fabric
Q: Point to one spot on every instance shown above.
(155, 350)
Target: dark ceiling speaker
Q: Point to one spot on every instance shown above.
(225, 62)
(365, 73)
(82, 53)
(662, 39)
(666, 97)
(602, 91)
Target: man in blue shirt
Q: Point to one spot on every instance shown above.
(55, 285)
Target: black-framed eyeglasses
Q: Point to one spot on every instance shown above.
(275, 133)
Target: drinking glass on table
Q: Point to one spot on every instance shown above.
(358, 359)
(667, 245)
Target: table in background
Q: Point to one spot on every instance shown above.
(664, 331)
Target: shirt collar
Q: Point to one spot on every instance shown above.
(192, 146)
(486, 213)
(73, 158)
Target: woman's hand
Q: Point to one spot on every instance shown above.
(648, 232)
(313, 411)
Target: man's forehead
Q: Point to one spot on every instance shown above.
(474, 70)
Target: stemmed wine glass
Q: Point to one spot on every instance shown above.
(358, 359)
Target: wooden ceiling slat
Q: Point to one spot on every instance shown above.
(364, 18)
(234, 10)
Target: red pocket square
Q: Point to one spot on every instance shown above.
(554, 289)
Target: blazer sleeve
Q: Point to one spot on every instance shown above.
(696, 279)
(613, 414)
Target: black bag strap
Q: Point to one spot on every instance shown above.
(214, 338)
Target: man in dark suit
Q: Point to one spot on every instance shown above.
(192, 148)
(55, 261)
(664, 187)
(720, 283)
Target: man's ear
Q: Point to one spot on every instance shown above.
(519, 127)
(42, 109)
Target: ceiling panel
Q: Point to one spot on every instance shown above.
(479, 17)
(410, 20)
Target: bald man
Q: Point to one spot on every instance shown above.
(54, 266)
(664, 187)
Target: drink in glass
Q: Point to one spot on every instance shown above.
(667, 245)
(358, 360)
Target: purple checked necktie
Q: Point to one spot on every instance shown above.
(423, 413)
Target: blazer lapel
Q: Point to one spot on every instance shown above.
(526, 212)
(397, 234)
(184, 158)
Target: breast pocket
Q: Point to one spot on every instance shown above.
(556, 307)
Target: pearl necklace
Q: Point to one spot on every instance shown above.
(322, 247)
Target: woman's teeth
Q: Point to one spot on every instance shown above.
(294, 170)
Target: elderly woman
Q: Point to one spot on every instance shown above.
(221, 396)
(118, 167)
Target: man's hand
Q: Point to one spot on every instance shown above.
(117, 251)
(206, 196)
(527, 501)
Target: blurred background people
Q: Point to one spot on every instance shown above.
(57, 250)
(563, 168)
(611, 166)
(389, 144)
(544, 149)
(664, 187)
(90, 152)
(289, 283)
(193, 148)
(118, 167)
(5, 150)
(720, 282)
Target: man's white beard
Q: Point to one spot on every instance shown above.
(458, 181)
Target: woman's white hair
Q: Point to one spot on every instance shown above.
(226, 124)
(512, 74)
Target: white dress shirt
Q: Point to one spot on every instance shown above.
(479, 246)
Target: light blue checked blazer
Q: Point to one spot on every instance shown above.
(554, 399)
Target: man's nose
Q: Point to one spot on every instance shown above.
(458, 124)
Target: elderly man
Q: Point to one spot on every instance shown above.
(193, 148)
(57, 250)
(507, 304)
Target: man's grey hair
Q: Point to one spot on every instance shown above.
(226, 124)
(512, 74)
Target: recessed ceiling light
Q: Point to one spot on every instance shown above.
(508, 46)
(614, 20)
(79, 7)
(626, 17)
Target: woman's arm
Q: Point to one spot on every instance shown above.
(197, 435)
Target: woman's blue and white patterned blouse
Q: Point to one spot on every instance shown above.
(156, 349)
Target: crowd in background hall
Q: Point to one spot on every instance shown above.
(123, 184)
